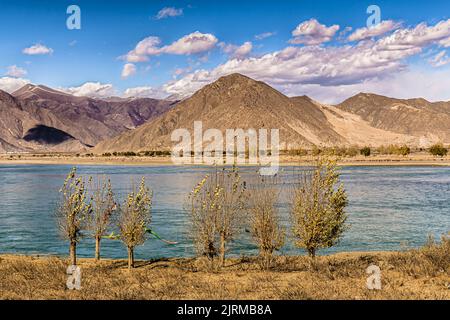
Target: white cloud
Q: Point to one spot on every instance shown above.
(445, 42)
(144, 92)
(431, 85)
(311, 32)
(330, 66)
(146, 47)
(264, 35)
(179, 71)
(169, 12)
(15, 71)
(244, 50)
(37, 49)
(128, 70)
(235, 51)
(407, 84)
(92, 89)
(420, 36)
(10, 85)
(439, 60)
(193, 43)
(378, 30)
(188, 84)
(105, 90)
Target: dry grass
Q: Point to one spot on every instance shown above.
(415, 274)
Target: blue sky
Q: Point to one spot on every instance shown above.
(227, 42)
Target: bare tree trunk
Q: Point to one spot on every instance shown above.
(97, 248)
(73, 252)
(222, 250)
(312, 258)
(266, 256)
(130, 257)
(312, 252)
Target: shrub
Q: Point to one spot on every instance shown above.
(149, 153)
(352, 151)
(316, 151)
(365, 151)
(438, 254)
(438, 150)
(297, 152)
(403, 150)
(129, 154)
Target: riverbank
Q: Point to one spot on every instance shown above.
(415, 274)
(60, 159)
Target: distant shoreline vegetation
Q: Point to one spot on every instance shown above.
(438, 150)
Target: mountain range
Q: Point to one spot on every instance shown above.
(38, 118)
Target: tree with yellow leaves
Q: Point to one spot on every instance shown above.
(318, 208)
(103, 208)
(216, 207)
(72, 211)
(134, 219)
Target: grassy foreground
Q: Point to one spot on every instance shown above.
(415, 274)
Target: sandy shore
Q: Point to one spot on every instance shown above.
(412, 160)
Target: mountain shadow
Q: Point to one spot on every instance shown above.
(47, 135)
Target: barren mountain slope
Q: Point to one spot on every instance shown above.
(428, 122)
(14, 121)
(88, 120)
(16, 124)
(232, 102)
(357, 131)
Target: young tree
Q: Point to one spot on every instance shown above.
(72, 211)
(318, 208)
(216, 204)
(135, 216)
(103, 207)
(264, 219)
(438, 149)
(230, 214)
(365, 151)
(203, 205)
(404, 150)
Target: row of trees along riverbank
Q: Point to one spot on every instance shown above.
(219, 207)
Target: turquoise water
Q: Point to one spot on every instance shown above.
(390, 208)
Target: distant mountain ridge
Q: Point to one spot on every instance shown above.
(86, 120)
(429, 121)
(236, 101)
(231, 102)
